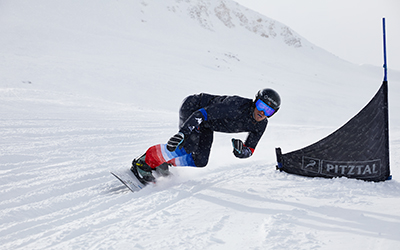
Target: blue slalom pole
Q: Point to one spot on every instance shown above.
(386, 90)
(384, 50)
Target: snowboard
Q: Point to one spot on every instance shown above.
(128, 179)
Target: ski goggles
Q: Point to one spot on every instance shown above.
(261, 106)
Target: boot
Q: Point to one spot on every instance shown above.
(142, 171)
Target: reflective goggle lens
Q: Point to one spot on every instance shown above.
(261, 106)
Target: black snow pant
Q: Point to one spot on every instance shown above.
(198, 143)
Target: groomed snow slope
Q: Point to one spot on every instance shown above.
(86, 87)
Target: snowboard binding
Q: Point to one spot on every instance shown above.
(144, 173)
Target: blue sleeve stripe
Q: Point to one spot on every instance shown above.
(204, 112)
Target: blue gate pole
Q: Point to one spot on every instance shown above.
(386, 94)
(384, 50)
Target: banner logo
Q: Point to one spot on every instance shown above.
(371, 168)
(311, 164)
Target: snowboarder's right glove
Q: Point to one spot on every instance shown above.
(175, 142)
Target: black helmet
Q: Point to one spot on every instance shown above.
(269, 97)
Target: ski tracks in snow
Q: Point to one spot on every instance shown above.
(55, 187)
(56, 193)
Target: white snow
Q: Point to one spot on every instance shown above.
(87, 86)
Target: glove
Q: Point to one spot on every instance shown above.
(175, 141)
(237, 145)
(240, 150)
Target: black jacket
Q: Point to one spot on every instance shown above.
(228, 114)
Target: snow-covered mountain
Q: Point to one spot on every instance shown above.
(87, 86)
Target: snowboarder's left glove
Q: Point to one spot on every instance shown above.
(237, 145)
(240, 150)
(175, 141)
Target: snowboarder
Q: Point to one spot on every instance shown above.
(199, 116)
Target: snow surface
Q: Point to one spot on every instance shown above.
(87, 86)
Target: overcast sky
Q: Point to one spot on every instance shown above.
(349, 29)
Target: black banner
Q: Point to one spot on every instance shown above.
(359, 149)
